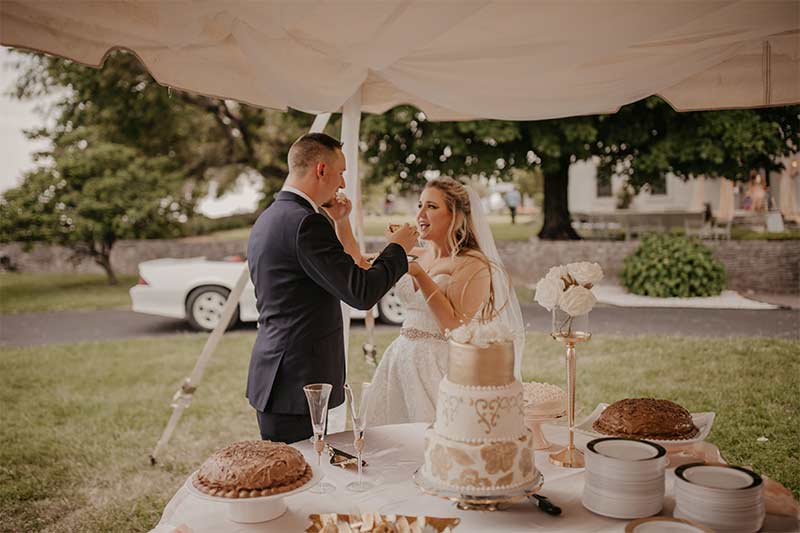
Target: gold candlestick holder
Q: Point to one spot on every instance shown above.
(570, 330)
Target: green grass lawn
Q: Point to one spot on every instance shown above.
(78, 421)
(525, 228)
(26, 292)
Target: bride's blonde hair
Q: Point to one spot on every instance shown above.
(461, 235)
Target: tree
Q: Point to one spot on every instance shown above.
(643, 141)
(648, 139)
(403, 143)
(205, 138)
(94, 193)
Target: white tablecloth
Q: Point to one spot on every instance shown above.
(393, 454)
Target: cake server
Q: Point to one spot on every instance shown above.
(544, 504)
(342, 458)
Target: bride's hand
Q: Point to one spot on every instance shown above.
(414, 270)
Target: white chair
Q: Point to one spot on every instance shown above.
(696, 226)
(721, 229)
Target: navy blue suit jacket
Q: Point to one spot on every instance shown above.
(301, 272)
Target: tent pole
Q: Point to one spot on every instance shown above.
(185, 394)
(351, 122)
(320, 121)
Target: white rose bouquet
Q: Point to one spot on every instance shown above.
(568, 289)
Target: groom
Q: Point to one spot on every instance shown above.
(301, 271)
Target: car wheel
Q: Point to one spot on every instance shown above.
(391, 310)
(204, 308)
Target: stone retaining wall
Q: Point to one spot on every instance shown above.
(763, 266)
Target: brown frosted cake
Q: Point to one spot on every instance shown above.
(252, 468)
(646, 418)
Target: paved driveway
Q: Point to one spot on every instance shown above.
(29, 329)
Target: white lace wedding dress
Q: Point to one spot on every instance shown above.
(406, 382)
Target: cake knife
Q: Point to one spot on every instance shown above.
(347, 459)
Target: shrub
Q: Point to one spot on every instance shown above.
(672, 265)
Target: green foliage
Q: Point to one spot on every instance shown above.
(403, 144)
(672, 265)
(205, 138)
(530, 182)
(94, 193)
(129, 158)
(648, 139)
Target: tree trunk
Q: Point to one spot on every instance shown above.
(104, 260)
(557, 221)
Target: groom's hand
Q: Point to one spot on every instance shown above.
(405, 236)
(340, 208)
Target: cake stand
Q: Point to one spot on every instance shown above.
(258, 509)
(494, 502)
(534, 423)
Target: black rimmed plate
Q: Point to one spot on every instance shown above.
(626, 449)
(718, 476)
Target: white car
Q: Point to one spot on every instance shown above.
(196, 289)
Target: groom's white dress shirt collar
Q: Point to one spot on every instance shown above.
(302, 195)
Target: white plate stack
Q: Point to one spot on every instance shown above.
(722, 497)
(624, 477)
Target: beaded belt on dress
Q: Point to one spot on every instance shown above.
(418, 334)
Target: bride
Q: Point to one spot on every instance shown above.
(457, 277)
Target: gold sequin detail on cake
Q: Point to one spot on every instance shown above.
(499, 457)
(440, 462)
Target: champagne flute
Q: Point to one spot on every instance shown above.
(358, 400)
(317, 395)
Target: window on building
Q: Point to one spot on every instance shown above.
(658, 185)
(603, 187)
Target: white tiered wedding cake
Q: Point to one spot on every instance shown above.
(479, 444)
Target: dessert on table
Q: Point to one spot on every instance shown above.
(544, 400)
(252, 468)
(478, 444)
(646, 418)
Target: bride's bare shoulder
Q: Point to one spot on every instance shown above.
(471, 266)
(471, 259)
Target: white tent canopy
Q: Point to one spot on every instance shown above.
(504, 59)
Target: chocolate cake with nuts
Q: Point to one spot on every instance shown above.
(252, 468)
(646, 418)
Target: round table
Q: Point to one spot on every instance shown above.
(393, 454)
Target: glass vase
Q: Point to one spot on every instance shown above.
(570, 330)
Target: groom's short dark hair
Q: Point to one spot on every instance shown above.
(310, 148)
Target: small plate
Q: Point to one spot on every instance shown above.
(625, 449)
(703, 421)
(719, 477)
(665, 524)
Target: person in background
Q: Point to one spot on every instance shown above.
(513, 200)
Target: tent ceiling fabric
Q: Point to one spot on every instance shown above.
(503, 60)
